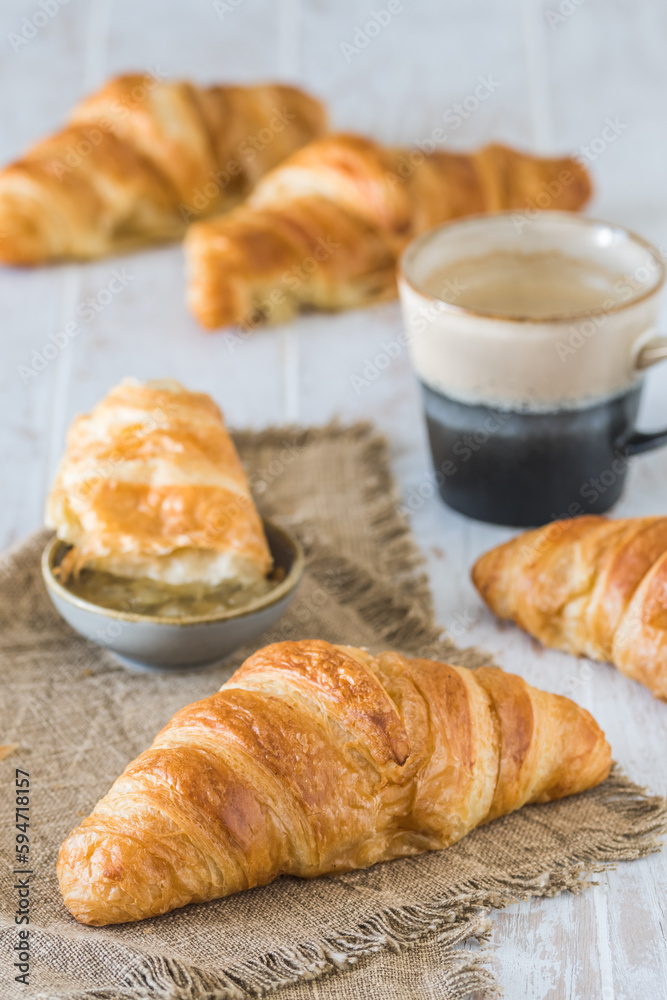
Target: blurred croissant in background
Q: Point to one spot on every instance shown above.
(325, 228)
(142, 158)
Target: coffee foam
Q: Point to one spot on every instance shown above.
(525, 366)
(528, 365)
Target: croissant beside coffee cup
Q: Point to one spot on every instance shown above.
(326, 227)
(590, 586)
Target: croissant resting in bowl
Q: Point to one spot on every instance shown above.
(151, 486)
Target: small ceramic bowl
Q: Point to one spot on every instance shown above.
(145, 642)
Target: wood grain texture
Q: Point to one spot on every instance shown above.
(558, 85)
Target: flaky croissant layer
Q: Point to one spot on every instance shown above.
(151, 486)
(324, 229)
(590, 586)
(315, 759)
(140, 159)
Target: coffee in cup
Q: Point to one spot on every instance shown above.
(530, 338)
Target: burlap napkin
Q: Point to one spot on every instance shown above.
(393, 932)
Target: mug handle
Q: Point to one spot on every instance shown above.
(650, 353)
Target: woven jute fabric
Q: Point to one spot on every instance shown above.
(394, 932)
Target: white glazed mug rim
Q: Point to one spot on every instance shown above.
(411, 252)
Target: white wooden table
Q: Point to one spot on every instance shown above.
(558, 73)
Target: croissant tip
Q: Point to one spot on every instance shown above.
(483, 571)
(14, 253)
(475, 570)
(21, 242)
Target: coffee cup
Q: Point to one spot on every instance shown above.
(530, 337)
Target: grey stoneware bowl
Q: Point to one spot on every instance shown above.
(145, 642)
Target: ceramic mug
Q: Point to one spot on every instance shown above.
(531, 418)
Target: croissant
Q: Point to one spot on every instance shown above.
(325, 228)
(140, 159)
(315, 759)
(151, 486)
(590, 586)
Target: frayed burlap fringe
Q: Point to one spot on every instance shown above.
(462, 972)
(394, 617)
(455, 919)
(391, 532)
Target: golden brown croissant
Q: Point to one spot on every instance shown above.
(151, 486)
(315, 759)
(326, 227)
(590, 586)
(140, 159)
